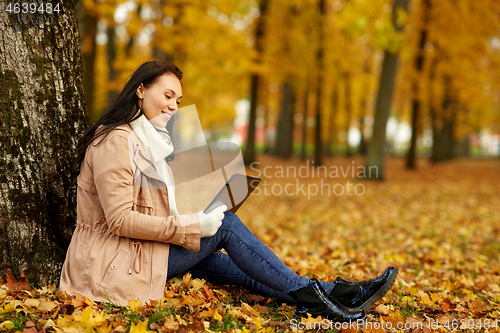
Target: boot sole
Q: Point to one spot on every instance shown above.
(381, 292)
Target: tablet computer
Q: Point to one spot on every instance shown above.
(234, 192)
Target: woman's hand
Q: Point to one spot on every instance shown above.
(211, 222)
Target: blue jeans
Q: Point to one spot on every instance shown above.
(250, 263)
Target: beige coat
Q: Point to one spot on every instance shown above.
(119, 250)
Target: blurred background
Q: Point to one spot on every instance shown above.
(295, 77)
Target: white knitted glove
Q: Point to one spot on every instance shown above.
(211, 222)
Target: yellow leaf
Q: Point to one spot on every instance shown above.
(494, 287)
(135, 305)
(248, 310)
(64, 320)
(49, 323)
(411, 290)
(217, 316)
(31, 303)
(180, 320)
(170, 324)
(495, 314)
(208, 312)
(140, 327)
(382, 309)
(186, 278)
(47, 306)
(6, 325)
(197, 284)
(87, 319)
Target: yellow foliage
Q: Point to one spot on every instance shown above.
(355, 237)
(140, 327)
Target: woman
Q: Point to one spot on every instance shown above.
(129, 238)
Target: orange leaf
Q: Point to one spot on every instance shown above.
(30, 330)
(478, 307)
(13, 284)
(260, 308)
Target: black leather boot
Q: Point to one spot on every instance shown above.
(362, 294)
(313, 299)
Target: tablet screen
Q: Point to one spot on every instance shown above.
(234, 192)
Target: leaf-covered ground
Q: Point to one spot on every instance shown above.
(440, 225)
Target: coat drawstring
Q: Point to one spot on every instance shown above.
(137, 256)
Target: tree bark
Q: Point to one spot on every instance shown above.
(419, 64)
(443, 140)
(318, 151)
(284, 132)
(111, 51)
(367, 68)
(348, 111)
(304, 126)
(332, 126)
(249, 154)
(88, 48)
(376, 154)
(42, 115)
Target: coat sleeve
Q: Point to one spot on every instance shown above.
(114, 182)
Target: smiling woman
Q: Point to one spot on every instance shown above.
(130, 238)
(161, 98)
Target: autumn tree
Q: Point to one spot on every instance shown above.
(249, 154)
(88, 19)
(376, 155)
(42, 113)
(448, 73)
(318, 139)
(419, 64)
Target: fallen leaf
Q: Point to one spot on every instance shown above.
(217, 316)
(6, 325)
(135, 305)
(31, 303)
(13, 284)
(382, 309)
(478, 307)
(30, 330)
(248, 310)
(47, 306)
(140, 327)
(260, 309)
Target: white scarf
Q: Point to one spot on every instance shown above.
(157, 148)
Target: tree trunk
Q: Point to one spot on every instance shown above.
(304, 126)
(419, 64)
(348, 111)
(284, 131)
(332, 128)
(319, 59)
(111, 50)
(367, 68)
(376, 154)
(442, 139)
(268, 145)
(249, 154)
(42, 115)
(461, 147)
(88, 27)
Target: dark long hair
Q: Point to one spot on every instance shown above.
(125, 109)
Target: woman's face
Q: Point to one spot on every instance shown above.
(161, 98)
